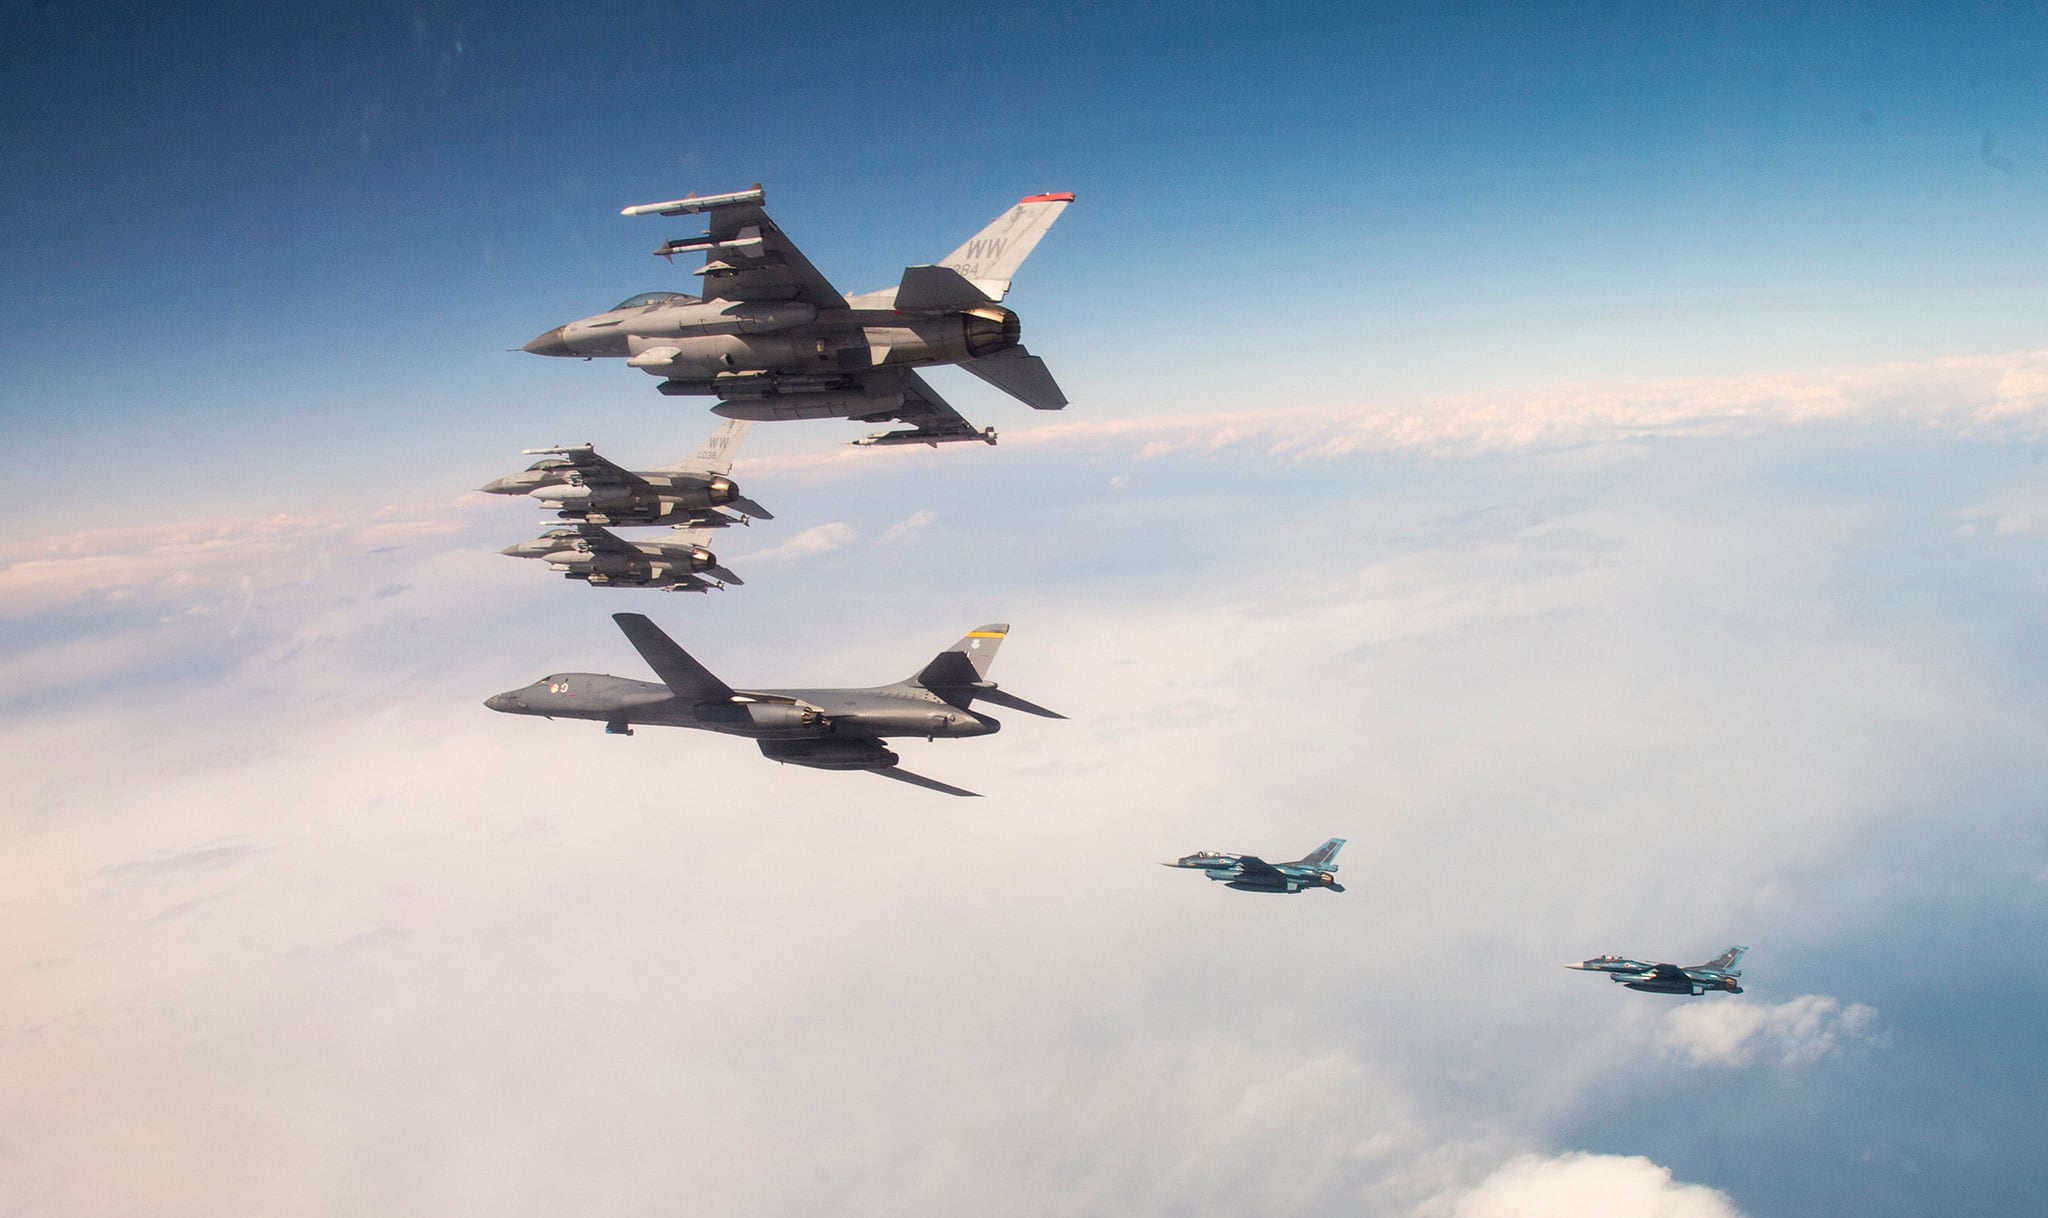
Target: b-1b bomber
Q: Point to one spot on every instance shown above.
(1719, 973)
(1250, 873)
(771, 338)
(825, 729)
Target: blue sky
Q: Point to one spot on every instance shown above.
(1594, 461)
(248, 227)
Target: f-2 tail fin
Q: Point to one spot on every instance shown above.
(1725, 962)
(1323, 856)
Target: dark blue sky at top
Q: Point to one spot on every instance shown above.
(276, 223)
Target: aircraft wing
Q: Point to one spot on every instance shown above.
(918, 780)
(1251, 864)
(746, 257)
(603, 541)
(691, 681)
(931, 417)
(590, 467)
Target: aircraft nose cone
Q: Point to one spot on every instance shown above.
(499, 702)
(516, 550)
(551, 343)
(498, 486)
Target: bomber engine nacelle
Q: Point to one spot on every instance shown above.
(785, 716)
(831, 753)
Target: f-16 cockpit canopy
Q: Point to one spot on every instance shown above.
(654, 298)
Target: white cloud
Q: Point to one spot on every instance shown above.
(1589, 1186)
(822, 539)
(913, 523)
(1738, 1032)
(1994, 395)
(529, 966)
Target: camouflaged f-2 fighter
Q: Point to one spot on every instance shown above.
(826, 729)
(1719, 973)
(771, 338)
(1250, 873)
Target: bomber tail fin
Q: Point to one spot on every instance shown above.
(990, 258)
(965, 662)
(1725, 962)
(959, 674)
(1323, 856)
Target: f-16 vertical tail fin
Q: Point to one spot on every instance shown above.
(715, 455)
(1323, 856)
(990, 258)
(1725, 962)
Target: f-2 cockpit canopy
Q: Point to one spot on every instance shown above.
(645, 299)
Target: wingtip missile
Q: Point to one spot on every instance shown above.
(695, 203)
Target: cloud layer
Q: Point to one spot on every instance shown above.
(301, 928)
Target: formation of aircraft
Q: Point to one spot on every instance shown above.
(771, 338)
(1250, 873)
(691, 497)
(1719, 973)
(825, 729)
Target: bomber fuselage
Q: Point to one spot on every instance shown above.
(769, 714)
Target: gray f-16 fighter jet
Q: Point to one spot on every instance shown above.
(604, 559)
(826, 729)
(1695, 979)
(771, 338)
(580, 485)
(1253, 874)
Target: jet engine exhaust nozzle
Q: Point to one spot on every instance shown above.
(987, 331)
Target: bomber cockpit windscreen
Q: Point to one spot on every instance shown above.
(653, 298)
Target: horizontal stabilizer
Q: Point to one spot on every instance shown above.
(939, 289)
(1020, 374)
(919, 780)
(690, 681)
(1003, 697)
(750, 508)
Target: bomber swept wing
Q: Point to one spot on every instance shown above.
(678, 669)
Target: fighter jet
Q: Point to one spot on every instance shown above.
(1253, 874)
(580, 485)
(1695, 979)
(603, 559)
(826, 729)
(771, 338)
